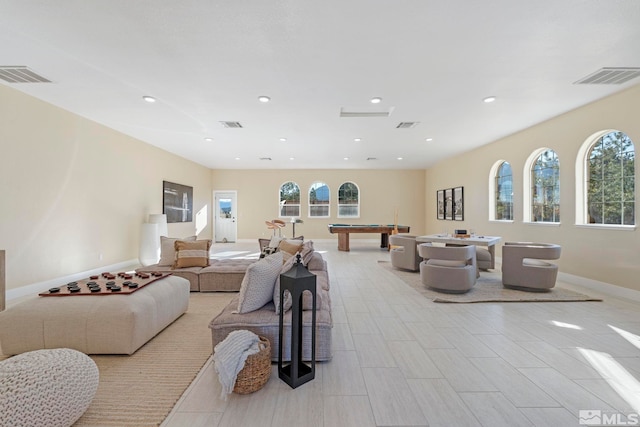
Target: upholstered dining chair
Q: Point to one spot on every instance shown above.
(448, 268)
(525, 265)
(404, 252)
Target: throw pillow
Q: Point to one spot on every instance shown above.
(306, 252)
(167, 249)
(267, 250)
(276, 289)
(289, 247)
(257, 285)
(192, 254)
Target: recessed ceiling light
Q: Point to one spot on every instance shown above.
(376, 100)
(292, 158)
(346, 158)
(429, 139)
(489, 99)
(149, 99)
(357, 139)
(209, 139)
(264, 98)
(237, 158)
(399, 158)
(283, 139)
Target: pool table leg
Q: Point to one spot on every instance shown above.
(343, 242)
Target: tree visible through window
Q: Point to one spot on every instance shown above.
(504, 192)
(289, 199)
(545, 188)
(611, 180)
(348, 200)
(319, 200)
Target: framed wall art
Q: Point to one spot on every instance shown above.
(448, 203)
(440, 204)
(177, 202)
(458, 203)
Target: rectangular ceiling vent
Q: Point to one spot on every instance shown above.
(232, 125)
(20, 74)
(265, 158)
(372, 158)
(407, 125)
(364, 112)
(610, 76)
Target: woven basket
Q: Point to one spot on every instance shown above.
(256, 371)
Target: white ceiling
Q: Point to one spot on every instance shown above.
(431, 61)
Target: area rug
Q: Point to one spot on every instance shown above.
(141, 389)
(488, 288)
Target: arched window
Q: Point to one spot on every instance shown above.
(609, 177)
(348, 201)
(289, 199)
(542, 184)
(319, 200)
(504, 192)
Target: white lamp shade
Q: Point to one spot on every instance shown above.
(161, 220)
(149, 245)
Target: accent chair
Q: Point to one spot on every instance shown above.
(448, 269)
(404, 253)
(525, 265)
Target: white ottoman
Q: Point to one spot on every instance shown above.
(94, 324)
(46, 387)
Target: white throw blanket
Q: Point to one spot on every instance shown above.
(230, 355)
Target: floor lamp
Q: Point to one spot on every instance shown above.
(149, 244)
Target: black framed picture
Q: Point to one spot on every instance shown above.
(458, 203)
(448, 203)
(177, 202)
(440, 204)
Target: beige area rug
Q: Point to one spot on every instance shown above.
(488, 288)
(141, 389)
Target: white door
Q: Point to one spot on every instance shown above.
(225, 216)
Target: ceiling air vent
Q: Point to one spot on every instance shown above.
(610, 76)
(372, 158)
(265, 158)
(232, 125)
(364, 112)
(20, 74)
(407, 125)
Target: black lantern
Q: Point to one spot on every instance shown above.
(296, 281)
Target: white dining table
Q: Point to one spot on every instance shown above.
(488, 241)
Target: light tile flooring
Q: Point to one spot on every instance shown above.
(402, 360)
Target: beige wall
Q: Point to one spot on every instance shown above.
(382, 192)
(74, 193)
(609, 256)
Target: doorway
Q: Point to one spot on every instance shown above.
(225, 216)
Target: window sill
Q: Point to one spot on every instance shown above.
(543, 223)
(608, 227)
(501, 221)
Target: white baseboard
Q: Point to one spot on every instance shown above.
(36, 288)
(603, 287)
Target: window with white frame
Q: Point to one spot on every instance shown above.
(544, 187)
(609, 173)
(348, 200)
(504, 192)
(319, 200)
(289, 199)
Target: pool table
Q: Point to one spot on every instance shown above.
(343, 231)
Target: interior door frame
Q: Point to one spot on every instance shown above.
(216, 194)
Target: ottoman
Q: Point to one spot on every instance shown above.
(98, 324)
(50, 388)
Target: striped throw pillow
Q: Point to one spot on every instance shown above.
(192, 254)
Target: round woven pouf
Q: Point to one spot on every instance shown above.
(47, 387)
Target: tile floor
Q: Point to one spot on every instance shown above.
(402, 360)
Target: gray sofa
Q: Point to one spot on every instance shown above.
(265, 321)
(222, 275)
